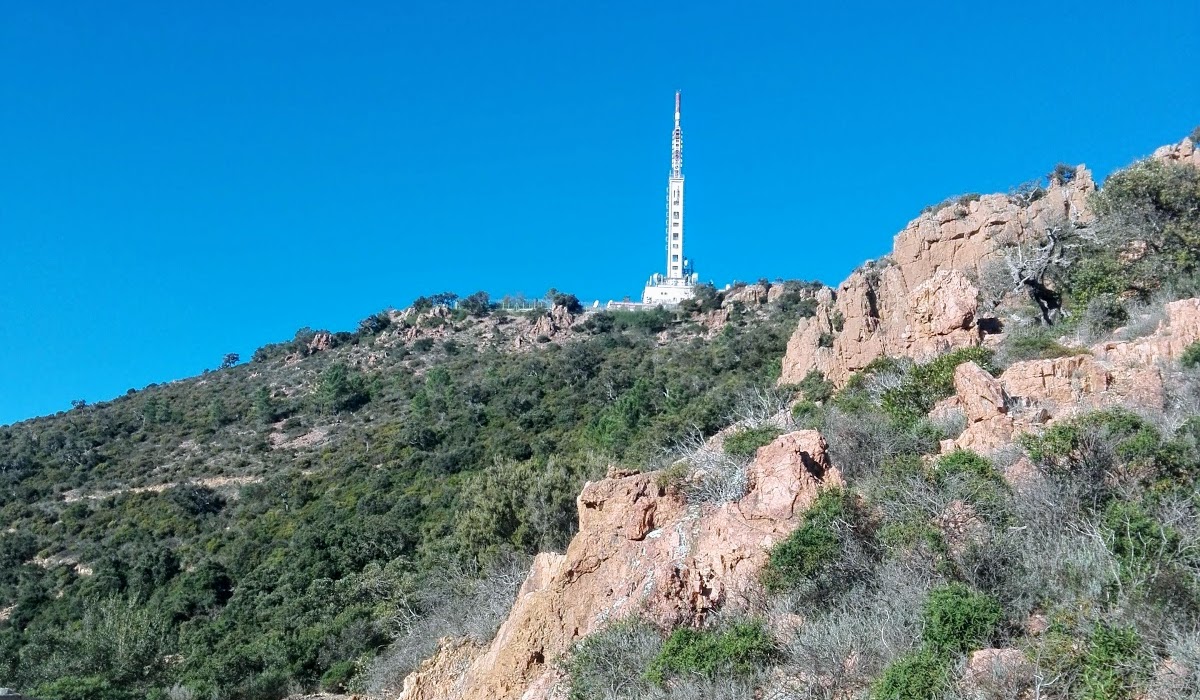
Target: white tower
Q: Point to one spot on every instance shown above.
(678, 283)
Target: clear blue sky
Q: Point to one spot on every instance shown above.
(183, 180)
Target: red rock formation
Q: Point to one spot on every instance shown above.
(641, 549)
(1114, 373)
(921, 302)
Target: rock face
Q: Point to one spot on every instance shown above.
(640, 549)
(922, 302)
(1184, 152)
(1036, 392)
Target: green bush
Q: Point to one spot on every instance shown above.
(1037, 343)
(738, 650)
(817, 544)
(921, 675)
(807, 414)
(1190, 357)
(341, 389)
(926, 384)
(338, 677)
(1104, 447)
(1113, 665)
(613, 661)
(1105, 312)
(745, 443)
(975, 480)
(958, 619)
(1136, 538)
(88, 688)
(815, 387)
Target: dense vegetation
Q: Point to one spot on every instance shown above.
(355, 478)
(1086, 565)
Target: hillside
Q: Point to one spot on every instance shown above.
(967, 471)
(260, 527)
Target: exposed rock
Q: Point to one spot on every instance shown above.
(922, 301)
(640, 549)
(558, 319)
(1184, 152)
(980, 394)
(750, 295)
(320, 342)
(1034, 393)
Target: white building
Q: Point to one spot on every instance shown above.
(679, 282)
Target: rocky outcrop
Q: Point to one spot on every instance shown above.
(751, 294)
(1037, 392)
(641, 549)
(1184, 153)
(556, 320)
(921, 301)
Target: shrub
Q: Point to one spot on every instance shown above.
(1114, 663)
(375, 324)
(738, 650)
(745, 443)
(958, 619)
(1136, 538)
(1104, 313)
(423, 344)
(825, 340)
(612, 662)
(973, 478)
(814, 554)
(1110, 447)
(477, 304)
(919, 676)
(1062, 173)
(1035, 343)
(569, 301)
(925, 385)
(1190, 357)
(817, 388)
(338, 677)
(806, 414)
(87, 688)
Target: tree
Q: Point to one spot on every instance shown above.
(444, 299)
(341, 389)
(230, 360)
(375, 323)
(477, 304)
(569, 301)
(264, 405)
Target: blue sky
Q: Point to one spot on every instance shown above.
(183, 180)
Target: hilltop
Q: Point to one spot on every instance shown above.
(966, 471)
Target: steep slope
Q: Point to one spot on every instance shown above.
(272, 524)
(951, 529)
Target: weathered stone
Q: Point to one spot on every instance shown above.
(639, 549)
(921, 303)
